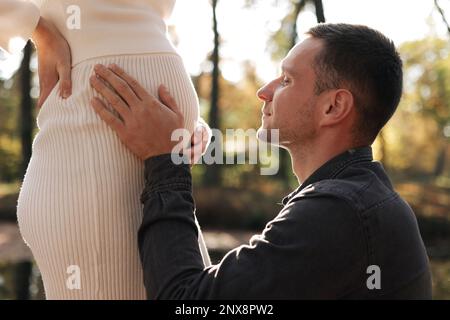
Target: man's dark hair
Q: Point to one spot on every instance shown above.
(366, 63)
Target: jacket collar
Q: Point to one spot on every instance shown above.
(333, 167)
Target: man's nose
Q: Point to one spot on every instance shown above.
(266, 92)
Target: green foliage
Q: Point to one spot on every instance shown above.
(10, 151)
(429, 61)
(415, 140)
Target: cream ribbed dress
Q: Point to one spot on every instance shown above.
(79, 208)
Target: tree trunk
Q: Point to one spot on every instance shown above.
(439, 166)
(319, 11)
(24, 269)
(442, 13)
(213, 172)
(299, 5)
(26, 107)
(22, 279)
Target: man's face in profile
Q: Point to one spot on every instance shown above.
(289, 100)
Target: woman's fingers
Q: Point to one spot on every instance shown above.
(197, 146)
(65, 84)
(203, 134)
(199, 142)
(54, 60)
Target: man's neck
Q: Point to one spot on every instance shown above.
(307, 159)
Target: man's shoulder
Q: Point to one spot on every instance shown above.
(360, 188)
(312, 207)
(319, 221)
(359, 209)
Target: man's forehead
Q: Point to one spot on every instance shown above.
(287, 65)
(303, 52)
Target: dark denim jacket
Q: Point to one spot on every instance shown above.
(343, 234)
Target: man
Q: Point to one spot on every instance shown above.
(344, 233)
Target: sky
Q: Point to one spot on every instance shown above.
(245, 32)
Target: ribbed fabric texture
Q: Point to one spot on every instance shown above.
(79, 204)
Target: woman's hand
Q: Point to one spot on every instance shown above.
(199, 142)
(54, 60)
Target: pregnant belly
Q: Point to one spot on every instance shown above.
(82, 184)
(151, 70)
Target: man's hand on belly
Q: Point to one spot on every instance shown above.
(145, 124)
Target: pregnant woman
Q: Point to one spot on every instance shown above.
(79, 208)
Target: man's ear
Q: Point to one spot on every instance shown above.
(337, 107)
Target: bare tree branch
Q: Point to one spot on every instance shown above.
(319, 11)
(297, 8)
(438, 7)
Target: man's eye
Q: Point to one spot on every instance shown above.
(284, 81)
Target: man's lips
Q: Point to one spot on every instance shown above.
(265, 110)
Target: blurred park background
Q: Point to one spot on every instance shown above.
(231, 47)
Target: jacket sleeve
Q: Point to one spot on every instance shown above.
(312, 249)
(18, 19)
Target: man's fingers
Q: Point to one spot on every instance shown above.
(132, 82)
(113, 99)
(121, 87)
(107, 115)
(166, 98)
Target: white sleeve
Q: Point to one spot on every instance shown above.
(18, 19)
(163, 7)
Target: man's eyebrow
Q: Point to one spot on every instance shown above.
(287, 69)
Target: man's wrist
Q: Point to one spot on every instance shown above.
(148, 152)
(162, 173)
